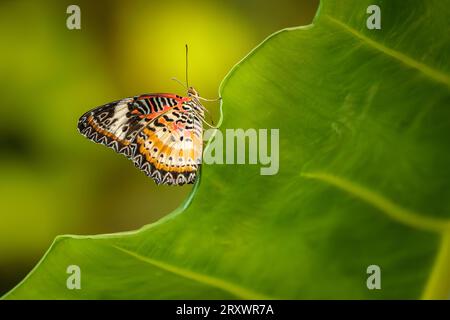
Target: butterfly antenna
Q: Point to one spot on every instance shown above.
(187, 53)
(181, 83)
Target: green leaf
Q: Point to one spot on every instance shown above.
(364, 179)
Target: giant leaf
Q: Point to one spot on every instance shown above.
(364, 179)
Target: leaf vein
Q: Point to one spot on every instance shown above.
(385, 205)
(430, 72)
(438, 285)
(221, 284)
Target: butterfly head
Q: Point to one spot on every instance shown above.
(192, 93)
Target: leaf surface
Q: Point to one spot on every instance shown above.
(364, 126)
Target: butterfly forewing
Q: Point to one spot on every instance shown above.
(160, 133)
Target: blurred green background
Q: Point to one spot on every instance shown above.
(53, 180)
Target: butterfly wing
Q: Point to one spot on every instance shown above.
(160, 133)
(169, 149)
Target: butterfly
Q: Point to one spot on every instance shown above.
(161, 133)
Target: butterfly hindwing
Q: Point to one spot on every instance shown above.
(160, 133)
(172, 145)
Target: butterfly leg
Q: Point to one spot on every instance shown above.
(210, 100)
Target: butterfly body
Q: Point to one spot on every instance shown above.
(161, 133)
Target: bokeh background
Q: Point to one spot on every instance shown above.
(53, 180)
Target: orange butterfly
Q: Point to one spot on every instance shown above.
(161, 133)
